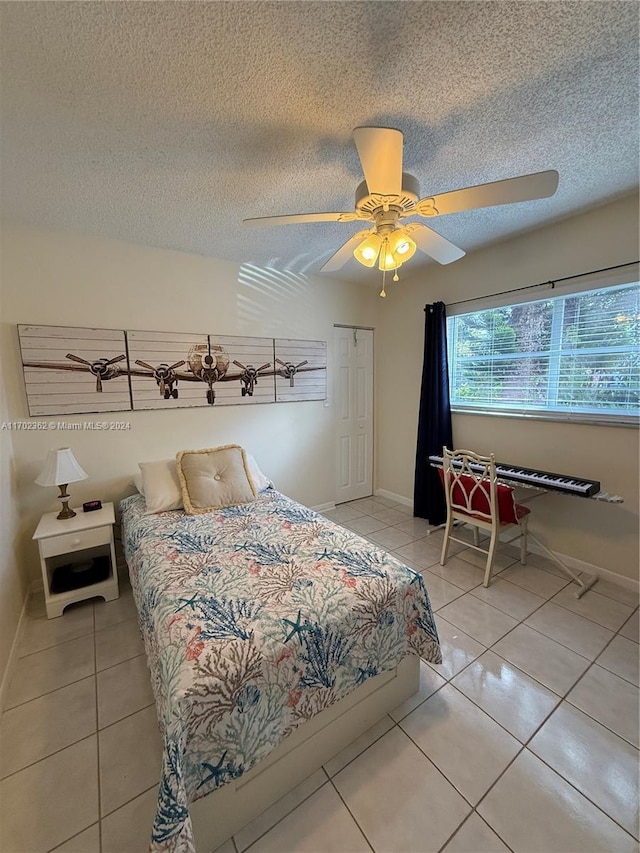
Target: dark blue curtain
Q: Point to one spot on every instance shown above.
(434, 420)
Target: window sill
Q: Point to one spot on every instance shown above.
(559, 417)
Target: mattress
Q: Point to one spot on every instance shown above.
(255, 618)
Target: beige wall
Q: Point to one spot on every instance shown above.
(13, 583)
(604, 535)
(65, 279)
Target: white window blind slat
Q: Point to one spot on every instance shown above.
(575, 353)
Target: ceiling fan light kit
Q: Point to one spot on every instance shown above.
(388, 195)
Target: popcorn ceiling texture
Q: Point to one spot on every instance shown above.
(166, 123)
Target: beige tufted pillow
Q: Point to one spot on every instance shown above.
(214, 478)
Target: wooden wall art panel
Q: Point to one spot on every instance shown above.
(166, 370)
(70, 371)
(301, 370)
(77, 371)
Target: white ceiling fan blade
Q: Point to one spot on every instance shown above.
(380, 152)
(433, 244)
(340, 258)
(524, 188)
(296, 218)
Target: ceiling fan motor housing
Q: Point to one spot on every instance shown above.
(374, 205)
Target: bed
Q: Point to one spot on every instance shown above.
(274, 637)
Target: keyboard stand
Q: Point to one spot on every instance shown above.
(583, 585)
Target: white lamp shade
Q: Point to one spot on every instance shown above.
(61, 467)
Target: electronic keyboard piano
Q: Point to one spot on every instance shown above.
(547, 480)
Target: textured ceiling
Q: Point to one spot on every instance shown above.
(166, 123)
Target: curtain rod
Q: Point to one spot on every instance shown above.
(541, 284)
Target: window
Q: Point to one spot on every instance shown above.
(578, 353)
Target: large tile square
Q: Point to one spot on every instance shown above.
(534, 809)
(474, 836)
(430, 681)
(128, 829)
(631, 628)
(343, 513)
(573, 631)
(130, 758)
(363, 505)
(514, 700)
(594, 760)
(458, 648)
(109, 613)
(553, 665)
(39, 634)
(353, 750)
(390, 538)
(440, 591)
(422, 553)
(50, 801)
(389, 516)
(458, 572)
(284, 806)
(598, 608)
(322, 822)
(387, 502)
(398, 798)
(481, 621)
(118, 643)
(470, 748)
(47, 724)
(509, 598)
(42, 672)
(365, 524)
(500, 561)
(122, 690)
(87, 841)
(539, 561)
(622, 656)
(415, 527)
(533, 579)
(610, 700)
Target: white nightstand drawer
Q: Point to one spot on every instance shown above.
(69, 542)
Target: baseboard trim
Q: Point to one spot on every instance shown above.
(606, 574)
(392, 496)
(13, 654)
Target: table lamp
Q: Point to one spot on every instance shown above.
(60, 469)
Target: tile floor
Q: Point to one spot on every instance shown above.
(524, 739)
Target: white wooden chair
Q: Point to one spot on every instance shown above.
(474, 496)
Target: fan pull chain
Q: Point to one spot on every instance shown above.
(382, 292)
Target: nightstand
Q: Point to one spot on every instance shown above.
(77, 558)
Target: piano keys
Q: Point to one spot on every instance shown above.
(547, 480)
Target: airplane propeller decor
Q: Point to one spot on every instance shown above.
(387, 196)
(70, 370)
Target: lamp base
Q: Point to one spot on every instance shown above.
(65, 512)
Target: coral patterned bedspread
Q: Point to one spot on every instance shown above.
(254, 619)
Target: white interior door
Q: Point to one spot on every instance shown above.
(353, 349)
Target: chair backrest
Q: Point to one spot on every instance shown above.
(471, 487)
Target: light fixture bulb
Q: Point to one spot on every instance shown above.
(366, 252)
(387, 261)
(401, 246)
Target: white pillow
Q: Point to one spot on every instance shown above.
(137, 483)
(161, 486)
(260, 481)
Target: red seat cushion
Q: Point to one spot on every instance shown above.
(508, 511)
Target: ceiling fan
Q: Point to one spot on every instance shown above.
(388, 195)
